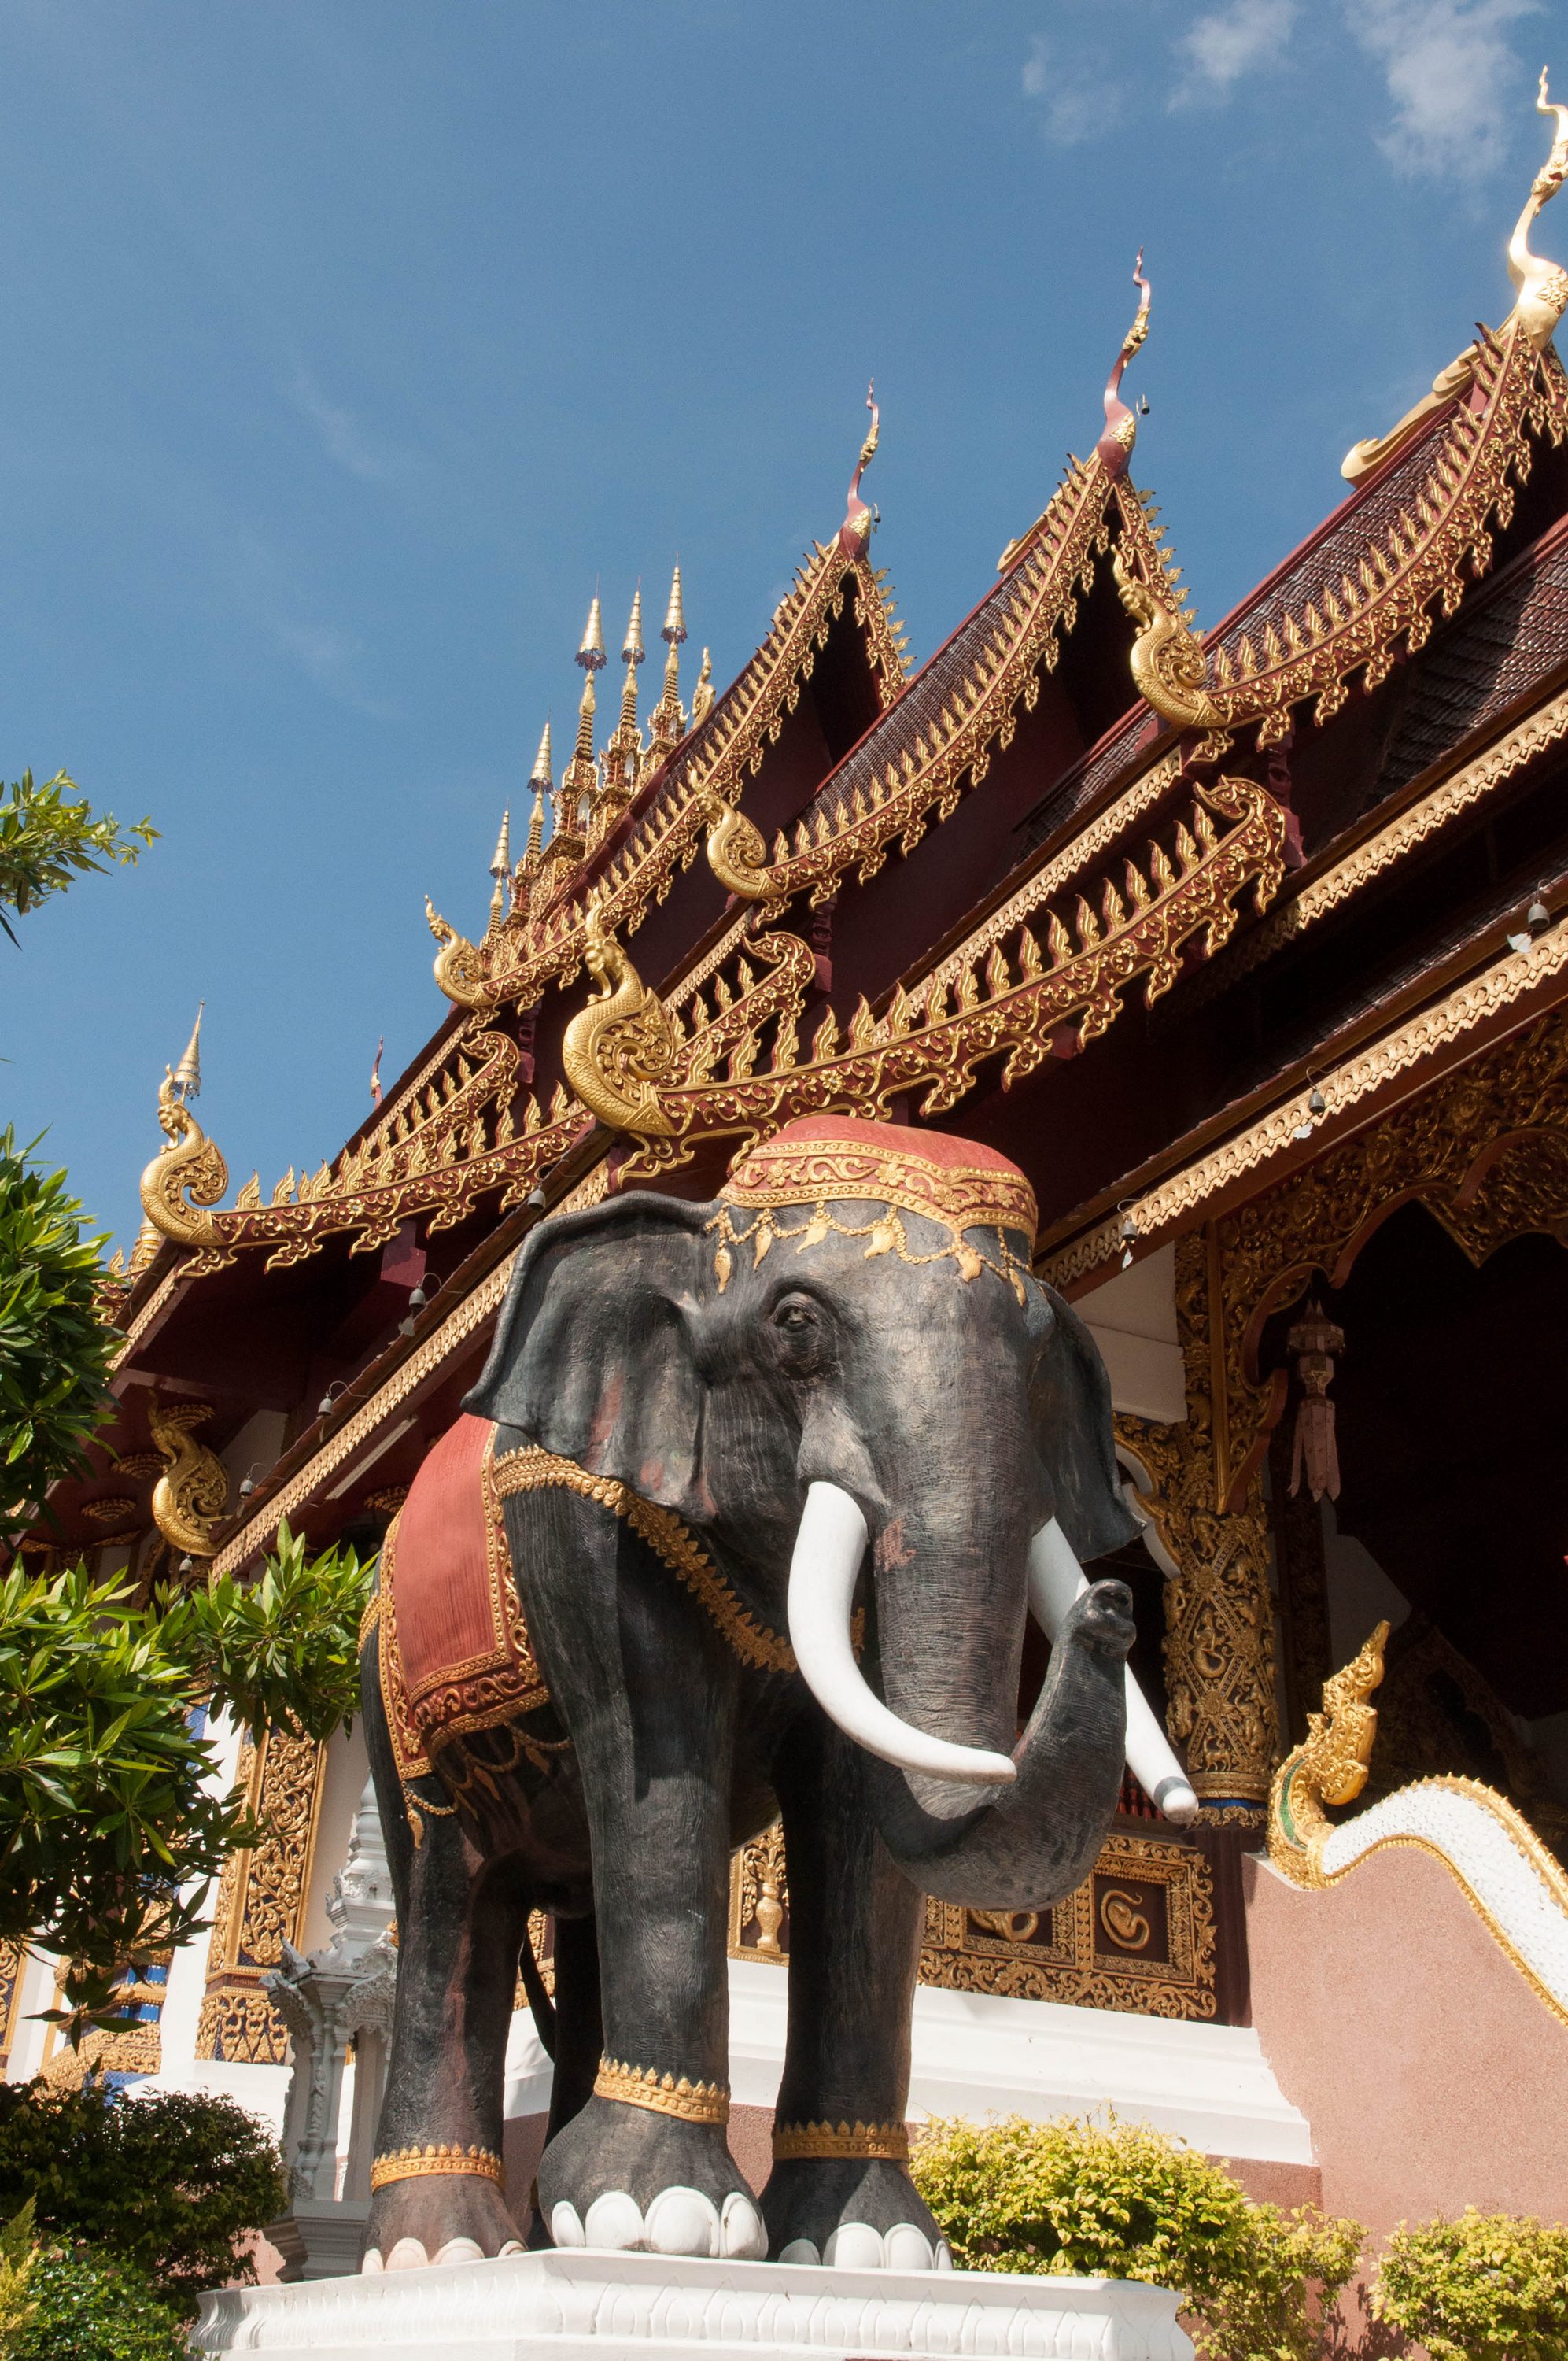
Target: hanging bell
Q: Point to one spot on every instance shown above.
(1537, 918)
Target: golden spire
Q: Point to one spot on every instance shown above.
(187, 1075)
(633, 652)
(667, 720)
(542, 783)
(591, 656)
(500, 869)
(673, 628)
(702, 695)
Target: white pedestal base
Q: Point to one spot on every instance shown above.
(597, 2306)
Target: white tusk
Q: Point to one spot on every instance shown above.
(1055, 1579)
(827, 1552)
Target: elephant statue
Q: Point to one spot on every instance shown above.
(744, 1518)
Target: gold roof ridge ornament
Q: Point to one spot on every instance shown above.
(855, 533)
(192, 1495)
(1540, 298)
(500, 869)
(667, 722)
(703, 695)
(189, 1173)
(617, 1050)
(1329, 1767)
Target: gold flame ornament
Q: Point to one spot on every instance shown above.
(189, 1173)
(1329, 1767)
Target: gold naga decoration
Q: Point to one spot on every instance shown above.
(1504, 388)
(1329, 1767)
(189, 1173)
(615, 1051)
(192, 1495)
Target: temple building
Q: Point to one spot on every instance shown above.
(1248, 944)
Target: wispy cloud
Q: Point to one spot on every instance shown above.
(264, 588)
(1220, 48)
(1077, 101)
(1452, 76)
(341, 433)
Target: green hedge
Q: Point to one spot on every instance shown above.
(91, 2306)
(1490, 2287)
(1123, 2201)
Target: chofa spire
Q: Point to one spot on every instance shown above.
(500, 869)
(855, 533)
(1121, 428)
(541, 780)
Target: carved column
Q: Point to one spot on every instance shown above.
(1219, 1636)
(261, 1901)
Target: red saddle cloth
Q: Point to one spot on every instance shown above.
(455, 1654)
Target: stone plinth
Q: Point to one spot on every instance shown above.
(594, 2306)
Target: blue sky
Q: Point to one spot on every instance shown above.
(350, 341)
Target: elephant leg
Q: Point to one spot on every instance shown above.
(855, 1924)
(458, 1937)
(650, 1695)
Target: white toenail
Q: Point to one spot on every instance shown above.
(944, 2256)
(408, 2254)
(908, 2248)
(854, 2246)
(512, 2246)
(742, 2231)
(371, 2266)
(461, 2250)
(564, 2226)
(800, 2250)
(614, 2220)
(683, 2221)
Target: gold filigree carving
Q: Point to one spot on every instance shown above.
(1067, 1953)
(618, 1049)
(1390, 583)
(736, 851)
(192, 1495)
(888, 2141)
(185, 1177)
(1218, 1616)
(261, 1901)
(1484, 1150)
(1422, 1035)
(445, 2158)
(665, 2094)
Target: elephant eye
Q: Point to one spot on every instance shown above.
(795, 1314)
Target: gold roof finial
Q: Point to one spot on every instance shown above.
(500, 869)
(187, 1076)
(1121, 429)
(855, 532)
(591, 656)
(667, 719)
(633, 652)
(541, 780)
(1543, 287)
(673, 630)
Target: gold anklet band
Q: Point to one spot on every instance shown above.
(890, 2141)
(414, 2163)
(693, 2102)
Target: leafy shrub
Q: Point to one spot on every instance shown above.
(91, 2306)
(19, 2261)
(1490, 2287)
(170, 2183)
(1128, 2202)
(55, 1352)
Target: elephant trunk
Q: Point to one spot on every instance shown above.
(1034, 1836)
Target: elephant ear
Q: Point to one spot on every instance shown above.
(1071, 1404)
(592, 1358)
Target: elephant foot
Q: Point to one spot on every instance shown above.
(438, 2218)
(862, 2215)
(624, 2177)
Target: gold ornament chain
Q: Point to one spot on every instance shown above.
(416, 2163)
(888, 2141)
(644, 2086)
